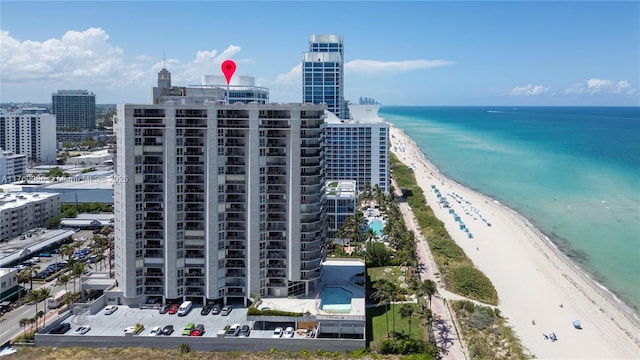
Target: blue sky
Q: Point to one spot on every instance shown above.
(402, 53)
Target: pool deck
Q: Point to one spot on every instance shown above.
(336, 273)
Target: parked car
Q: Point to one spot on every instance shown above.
(226, 310)
(129, 330)
(156, 330)
(82, 330)
(233, 330)
(167, 330)
(206, 309)
(288, 332)
(277, 332)
(245, 330)
(110, 309)
(215, 310)
(60, 328)
(197, 331)
(164, 309)
(173, 309)
(187, 329)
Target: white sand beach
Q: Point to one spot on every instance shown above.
(535, 282)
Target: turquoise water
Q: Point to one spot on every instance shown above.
(335, 299)
(572, 171)
(377, 226)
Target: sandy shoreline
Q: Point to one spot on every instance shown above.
(532, 277)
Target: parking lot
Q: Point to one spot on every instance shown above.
(115, 323)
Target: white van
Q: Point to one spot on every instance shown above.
(184, 308)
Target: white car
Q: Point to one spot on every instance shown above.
(129, 330)
(277, 332)
(82, 330)
(110, 309)
(156, 330)
(288, 332)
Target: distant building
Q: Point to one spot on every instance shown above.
(75, 110)
(367, 101)
(13, 167)
(80, 136)
(212, 89)
(323, 74)
(358, 149)
(20, 212)
(342, 202)
(29, 131)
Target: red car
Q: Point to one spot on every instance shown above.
(173, 309)
(197, 331)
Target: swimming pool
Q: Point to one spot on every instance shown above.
(377, 226)
(336, 300)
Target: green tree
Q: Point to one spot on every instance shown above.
(23, 277)
(64, 280)
(407, 311)
(33, 270)
(383, 296)
(428, 288)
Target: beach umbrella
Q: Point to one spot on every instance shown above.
(576, 324)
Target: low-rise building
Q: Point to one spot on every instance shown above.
(20, 212)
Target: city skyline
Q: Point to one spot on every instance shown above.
(407, 53)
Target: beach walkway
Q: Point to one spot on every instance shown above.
(447, 338)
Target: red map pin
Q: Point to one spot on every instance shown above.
(228, 68)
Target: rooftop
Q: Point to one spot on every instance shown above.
(12, 200)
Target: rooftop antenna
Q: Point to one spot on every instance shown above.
(164, 59)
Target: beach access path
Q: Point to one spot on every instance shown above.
(446, 335)
(535, 281)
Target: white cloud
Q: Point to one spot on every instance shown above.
(86, 59)
(602, 86)
(293, 76)
(87, 56)
(368, 66)
(528, 90)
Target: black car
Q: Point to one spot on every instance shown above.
(206, 309)
(60, 328)
(245, 330)
(164, 309)
(215, 310)
(167, 330)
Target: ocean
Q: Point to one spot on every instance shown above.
(574, 172)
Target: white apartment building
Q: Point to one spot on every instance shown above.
(342, 202)
(31, 132)
(13, 167)
(218, 201)
(21, 212)
(358, 149)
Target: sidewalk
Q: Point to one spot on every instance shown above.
(447, 338)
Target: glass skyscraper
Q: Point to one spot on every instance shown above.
(323, 73)
(75, 110)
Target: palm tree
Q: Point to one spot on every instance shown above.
(64, 280)
(23, 323)
(37, 296)
(428, 288)
(77, 271)
(383, 296)
(66, 250)
(23, 277)
(407, 311)
(393, 289)
(33, 270)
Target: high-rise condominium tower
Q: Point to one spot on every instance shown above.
(75, 110)
(218, 201)
(323, 73)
